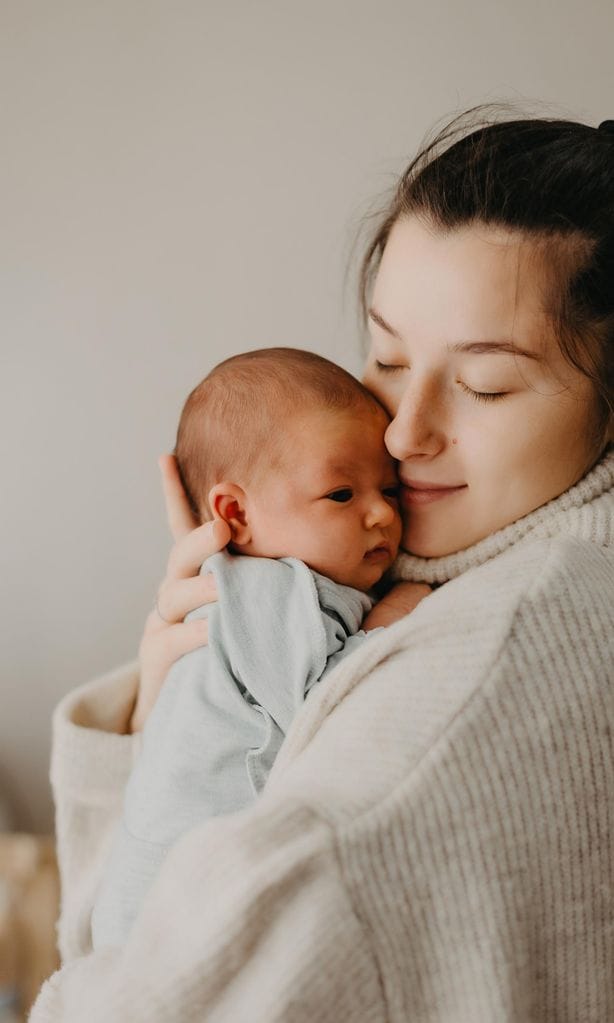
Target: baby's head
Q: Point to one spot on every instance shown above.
(288, 449)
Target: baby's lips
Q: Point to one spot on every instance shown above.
(379, 552)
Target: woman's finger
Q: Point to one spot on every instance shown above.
(159, 651)
(164, 647)
(177, 597)
(181, 518)
(193, 548)
(180, 639)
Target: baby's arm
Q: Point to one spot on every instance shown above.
(398, 602)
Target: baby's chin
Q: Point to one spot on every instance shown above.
(371, 580)
(364, 575)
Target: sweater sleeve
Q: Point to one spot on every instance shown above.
(251, 915)
(90, 764)
(247, 920)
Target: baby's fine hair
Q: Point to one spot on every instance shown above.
(234, 423)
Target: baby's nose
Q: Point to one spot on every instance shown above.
(380, 513)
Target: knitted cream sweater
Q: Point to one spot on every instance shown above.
(435, 841)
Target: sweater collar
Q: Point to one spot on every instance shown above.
(586, 511)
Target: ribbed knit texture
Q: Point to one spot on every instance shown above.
(434, 844)
(574, 512)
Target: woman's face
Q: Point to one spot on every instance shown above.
(489, 420)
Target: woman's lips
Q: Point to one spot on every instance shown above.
(414, 492)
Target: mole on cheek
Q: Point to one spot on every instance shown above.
(454, 440)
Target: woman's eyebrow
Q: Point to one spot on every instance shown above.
(472, 347)
(484, 347)
(381, 322)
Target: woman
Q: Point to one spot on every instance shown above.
(434, 842)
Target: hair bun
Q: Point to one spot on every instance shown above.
(607, 126)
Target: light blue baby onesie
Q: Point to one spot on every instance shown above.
(222, 714)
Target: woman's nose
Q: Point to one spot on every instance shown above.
(417, 428)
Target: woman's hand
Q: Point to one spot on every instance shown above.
(166, 636)
(398, 602)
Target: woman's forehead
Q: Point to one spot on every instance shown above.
(472, 283)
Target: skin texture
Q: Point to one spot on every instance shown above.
(333, 504)
(505, 455)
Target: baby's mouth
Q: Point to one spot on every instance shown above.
(380, 552)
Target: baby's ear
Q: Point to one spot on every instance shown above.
(227, 502)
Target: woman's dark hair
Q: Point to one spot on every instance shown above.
(550, 179)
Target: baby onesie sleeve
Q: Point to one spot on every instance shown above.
(281, 627)
(279, 624)
(224, 709)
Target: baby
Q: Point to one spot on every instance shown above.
(289, 450)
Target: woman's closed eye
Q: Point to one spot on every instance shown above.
(484, 396)
(388, 367)
(341, 496)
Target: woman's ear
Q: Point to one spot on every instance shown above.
(228, 503)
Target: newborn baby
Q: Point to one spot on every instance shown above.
(289, 450)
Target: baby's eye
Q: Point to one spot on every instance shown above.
(391, 492)
(341, 495)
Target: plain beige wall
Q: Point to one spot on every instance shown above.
(180, 181)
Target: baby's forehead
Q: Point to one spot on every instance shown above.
(333, 441)
(344, 461)
(342, 421)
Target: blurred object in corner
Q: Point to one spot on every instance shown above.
(9, 998)
(29, 907)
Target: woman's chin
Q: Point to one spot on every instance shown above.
(422, 545)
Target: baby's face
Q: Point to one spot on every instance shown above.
(334, 504)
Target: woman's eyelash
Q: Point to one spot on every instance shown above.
(483, 396)
(384, 367)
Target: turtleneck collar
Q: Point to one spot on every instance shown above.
(586, 511)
